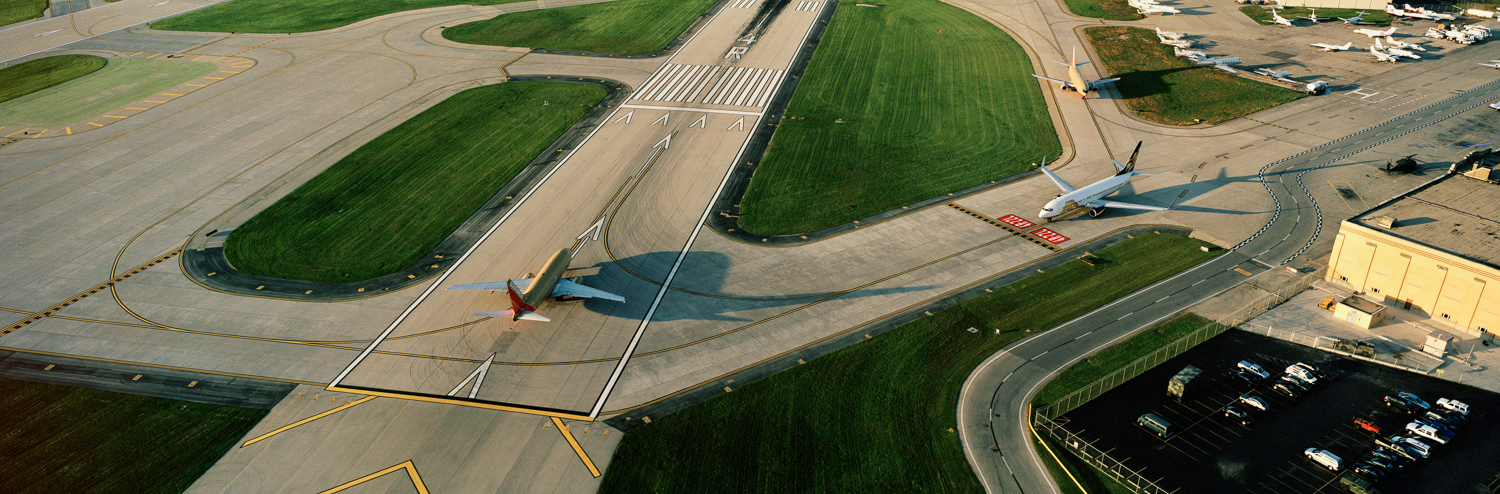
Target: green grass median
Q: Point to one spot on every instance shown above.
(620, 26)
(296, 16)
(35, 75)
(13, 11)
(1160, 87)
(392, 200)
(121, 81)
(877, 416)
(943, 101)
(1115, 10)
(1111, 359)
(66, 439)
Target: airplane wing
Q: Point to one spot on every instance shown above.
(1123, 205)
(1102, 81)
(521, 284)
(571, 289)
(1061, 184)
(529, 316)
(1059, 81)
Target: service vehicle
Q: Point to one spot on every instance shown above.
(1303, 373)
(1155, 424)
(1452, 404)
(1324, 457)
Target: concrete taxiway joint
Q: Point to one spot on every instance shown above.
(208, 267)
(630, 418)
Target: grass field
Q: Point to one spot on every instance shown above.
(1118, 355)
(877, 416)
(296, 16)
(66, 439)
(620, 26)
(121, 81)
(1117, 10)
(875, 126)
(392, 200)
(13, 11)
(1160, 87)
(1375, 17)
(1092, 480)
(26, 78)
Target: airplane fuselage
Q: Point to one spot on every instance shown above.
(1072, 201)
(1079, 84)
(546, 281)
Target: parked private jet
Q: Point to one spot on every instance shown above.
(1092, 196)
(527, 293)
(1314, 17)
(1376, 34)
(1494, 64)
(1396, 51)
(1276, 18)
(1409, 14)
(1328, 47)
(1403, 45)
(1357, 20)
(1381, 56)
(1075, 80)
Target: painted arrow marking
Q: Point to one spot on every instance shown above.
(592, 233)
(665, 142)
(626, 118)
(738, 123)
(478, 373)
(701, 122)
(662, 120)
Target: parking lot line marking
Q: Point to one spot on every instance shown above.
(306, 420)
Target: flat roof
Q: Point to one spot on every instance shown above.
(1361, 304)
(1456, 214)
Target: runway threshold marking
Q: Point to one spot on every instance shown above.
(411, 472)
(572, 441)
(306, 420)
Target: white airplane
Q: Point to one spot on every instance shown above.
(1396, 51)
(1092, 196)
(1328, 47)
(1357, 20)
(1314, 17)
(1178, 43)
(527, 293)
(1382, 57)
(1194, 55)
(1376, 34)
(1155, 9)
(1075, 80)
(1494, 64)
(1392, 10)
(1276, 18)
(1167, 34)
(1403, 45)
(1437, 16)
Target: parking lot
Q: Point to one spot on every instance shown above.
(1211, 453)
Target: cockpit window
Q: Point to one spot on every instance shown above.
(1047, 209)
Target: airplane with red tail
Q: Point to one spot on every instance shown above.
(527, 293)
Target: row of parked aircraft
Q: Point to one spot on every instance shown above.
(1146, 7)
(1277, 19)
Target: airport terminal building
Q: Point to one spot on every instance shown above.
(1433, 250)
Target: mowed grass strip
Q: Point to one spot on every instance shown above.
(1116, 10)
(1373, 17)
(877, 416)
(120, 82)
(1082, 473)
(1111, 359)
(26, 78)
(13, 11)
(66, 439)
(891, 112)
(296, 16)
(392, 200)
(620, 26)
(1161, 87)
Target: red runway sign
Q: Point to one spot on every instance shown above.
(1016, 221)
(1049, 235)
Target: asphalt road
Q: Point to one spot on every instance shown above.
(993, 405)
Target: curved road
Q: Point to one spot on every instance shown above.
(992, 408)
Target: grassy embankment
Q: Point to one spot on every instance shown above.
(1116, 10)
(1375, 17)
(121, 81)
(392, 200)
(66, 439)
(875, 126)
(29, 77)
(1161, 87)
(296, 16)
(13, 11)
(876, 416)
(620, 26)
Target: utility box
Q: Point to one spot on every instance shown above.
(1180, 383)
(1437, 343)
(1359, 312)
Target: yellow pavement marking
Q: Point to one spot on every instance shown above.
(196, 85)
(114, 116)
(170, 94)
(1055, 458)
(214, 78)
(411, 471)
(563, 428)
(467, 403)
(1241, 271)
(17, 132)
(199, 57)
(229, 71)
(96, 125)
(39, 134)
(149, 101)
(157, 366)
(215, 59)
(136, 53)
(69, 129)
(132, 108)
(154, 56)
(306, 420)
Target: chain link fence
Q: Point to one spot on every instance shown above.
(1099, 458)
(1129, 371)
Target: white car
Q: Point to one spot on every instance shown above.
(1422, 448)
(1302, 373)
(1323, 457)
(1426, 431)
(1247, 366)
(1255, 402)
(1451, 404)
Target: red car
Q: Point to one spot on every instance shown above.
(1367, 425)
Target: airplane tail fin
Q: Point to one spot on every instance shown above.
(519, 309)
(1129, 165)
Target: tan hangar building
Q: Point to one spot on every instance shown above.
(1434, 250)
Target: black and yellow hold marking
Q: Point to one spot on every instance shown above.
(37, 316)
(1004, 226)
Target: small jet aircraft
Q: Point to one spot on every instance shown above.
(527, 293)
(1436, 16)
(1403, 45)
(1075, 80)
(1328, 47)
(1396, 51)
(1276, 18)
(1382, 57)
(1178, 43)
(1193, 55)
(1155, 9)
(1409, 14)
(1314, 17)
(1357, 20)
(1092, 196)
(1376, 34)
(1167, 34)
(1494, 64)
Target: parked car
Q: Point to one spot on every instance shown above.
(1255, 402)
(1313, 369)
(1397, 449)
(1452, 420)
(1244, 379)
(1426, 431)
(1414, 400)
(1291, 391)
(1238, 415)
(1442, 429)
(1302, 373)
(1366, 424)
(1250, 367)
(1370, 471)
(1454, 405)
(1294, 382)
(1325, 458)
(1421, 448)
(1390, 458)
(1382, 463)
(1400, 404)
